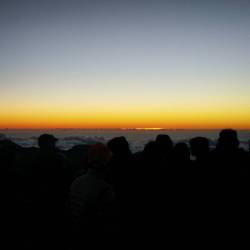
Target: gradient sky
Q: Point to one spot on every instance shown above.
(110, 64)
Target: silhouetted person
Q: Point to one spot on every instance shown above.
(123, 175)
(164, 146)
(180, 178)
(228, 187)
(151, 155)
(200, 149)
(152, 202)
(119, 146)
(228, 158)
(10, 183)
(151, 169)
(8, 153)
(51, 166)
(51, 179)
(77, 156)
(120, 165)
(92, 201)
(228, 140)
(200, 180)
(47, 142)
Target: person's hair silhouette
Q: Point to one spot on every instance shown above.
(228, 139)
(119, 146)
(164, 143)
(98, 156)
(199, 147)
(47, 142)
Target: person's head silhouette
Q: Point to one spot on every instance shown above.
(199, 147)
(98, 156)
(228, 139)
(119, 146)
(164, 143)
(47, 142)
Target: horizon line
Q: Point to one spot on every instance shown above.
(123, 129)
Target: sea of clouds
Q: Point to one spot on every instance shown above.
(68, 142)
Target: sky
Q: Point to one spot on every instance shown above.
(125, 64)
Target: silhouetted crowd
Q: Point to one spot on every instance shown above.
(103, 195)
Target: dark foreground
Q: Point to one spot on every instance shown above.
(103, 195)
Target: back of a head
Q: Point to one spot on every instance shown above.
(8, 144)
(164, 143)
(119, 146)
(150, 151)
(199, 146)
(47, 141)
(8, 150)
(98, 156)
(228, 139)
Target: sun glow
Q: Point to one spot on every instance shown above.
(142, 129)
(138, 119)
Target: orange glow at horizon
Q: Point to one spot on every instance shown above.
(126, 118)
(120, 102)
